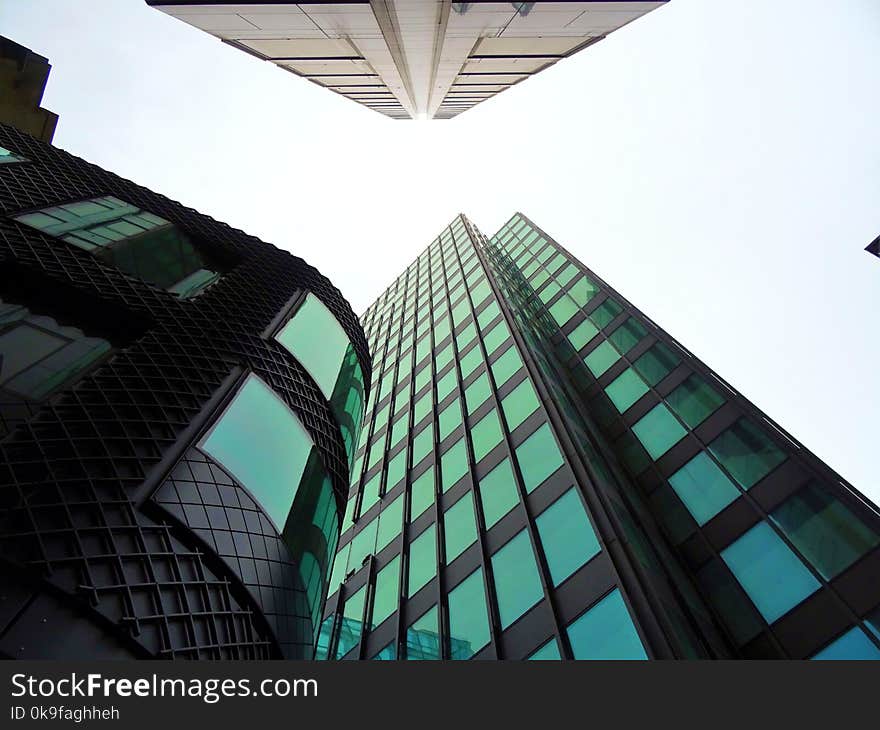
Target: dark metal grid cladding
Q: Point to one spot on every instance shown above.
(73, 513)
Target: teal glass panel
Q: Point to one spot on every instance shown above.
(825, 532)
(363, 544)
(390, 523)
(563, 310)
(495, 337)
(468, 617)
(396, 470)
(703, 488)
(477, 393)
(517, 582)
(538, 457)
(459, 527)
(746, 452)
(601, 357)
(583, 290)
(422, 407)
(450, 418)
(694, 401)
(582, 334)
(370, 492)
(659, 431)
(519, 404)
(626, 389)
(498, 493)
(387, 653)
(387, 595)
(6, 156)
(549, 291)
(446, 385)
(422, 494)
(627, 336)
(423, 444)
(466, 336)
(548, 652)
(769, 572)
(486, 434)
(605, 312)
(325, 635)
(854, 644)
(422, 560)
(656, 363)
(488, 314)
(606, 631)
(506, 366)
(351, 626)
(423, 637)
(470, 361)
(454, 464)
(262, 443)
(567, 536)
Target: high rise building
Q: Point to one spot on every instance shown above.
(544, 473)
(411, 58)
(179, 405)
(23, 77)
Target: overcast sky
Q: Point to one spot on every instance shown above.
(716, 162)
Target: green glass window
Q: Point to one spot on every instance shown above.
(422, 407)
(658, 430)
(563, 310)
(454, 464)
(628, 335)
(38, 356)
(470, 362)
(506, 366)
(446, 385)
(567, 536)
(746, 452)
(626, 389)
(422, 491)
(771, 574)
(488, 315)
(601, 357)
(694, 401)
(422, 560)
(495, 337)
(351, 625)
(423, 444)
(703, 488)
(459, 527)
(486, 434)
(854, 644)
(517, 582)
(450, 418)
(606, 631)
(396, 470)
(477, 393)
(387, 593)
(549, 291)
(466, 336)
(7, 157)
(519, 404)
(538, 457)
(262, 443)
(582, 334)
(371, 492)
(605, 312)
(363, 544)
(548, 652)
(138, 243)
(468, 617)
(825, 532)
(423, 637)
(390, 523)
(583, 290)
(567, 274)
(656, 363)
(387, 653)
(498, 493)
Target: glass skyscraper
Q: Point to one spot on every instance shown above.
(544, 473)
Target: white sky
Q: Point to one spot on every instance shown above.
(716, 162)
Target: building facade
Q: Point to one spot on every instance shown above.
(23, 77)
(179, 407)
(544, 473)
(411, 59)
